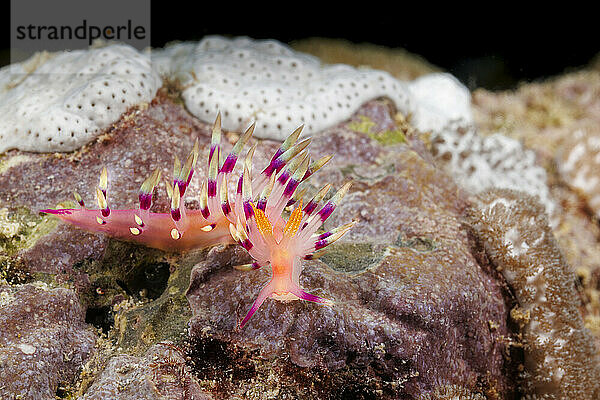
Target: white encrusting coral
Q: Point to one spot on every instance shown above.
(268, 82)
(438, 99)
(443, 108)
(484, 162)
(61, 101)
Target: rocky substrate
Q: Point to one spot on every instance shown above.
(434, 295)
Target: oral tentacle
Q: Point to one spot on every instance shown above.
(309, 297)
(260, 299)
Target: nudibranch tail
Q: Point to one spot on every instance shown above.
(121, 225)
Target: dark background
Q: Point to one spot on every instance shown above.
(491, 45)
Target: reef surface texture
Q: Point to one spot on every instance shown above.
(442, 289)
(558, 120)
(43, 340)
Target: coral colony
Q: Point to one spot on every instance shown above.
(72, 97)
(253, 220)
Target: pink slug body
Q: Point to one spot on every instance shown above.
(253, 221)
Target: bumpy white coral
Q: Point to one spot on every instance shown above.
(59, 102)
(479, 163)
(267, 82)
(443, 108)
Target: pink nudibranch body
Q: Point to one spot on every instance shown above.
(253, 221)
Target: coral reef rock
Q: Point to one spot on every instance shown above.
(409, 286)
(160, 374)
(579, 166)
(44, 341)
(561, 361)
(440, 291)
(558, 119)
(443, 108)
(61, 101)
(400, 63)
(413, 308)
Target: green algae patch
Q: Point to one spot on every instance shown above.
(143, 324)
(353, 258)
(139, 294)
(416, 243)
(387, 138)
(20, 229)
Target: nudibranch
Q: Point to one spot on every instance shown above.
(252, 218)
